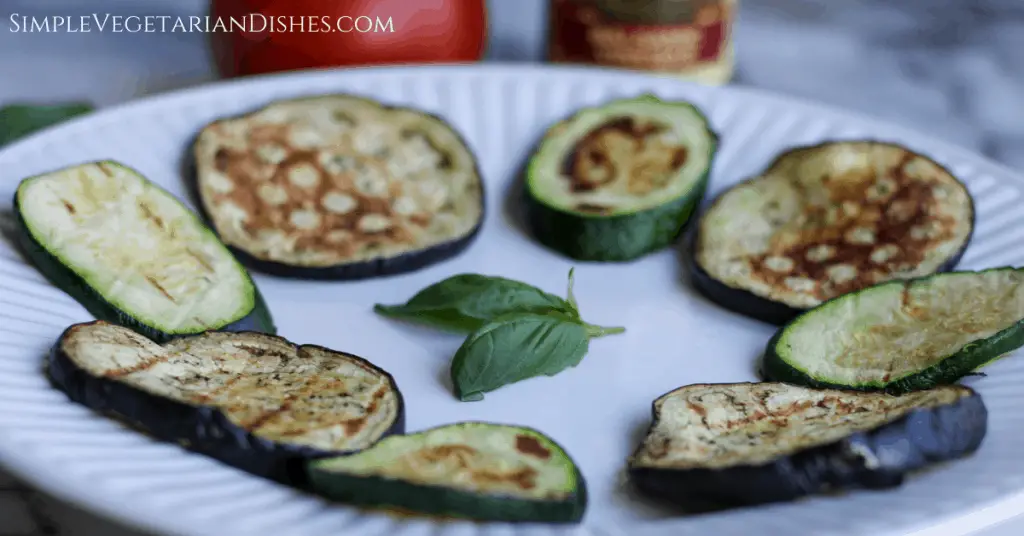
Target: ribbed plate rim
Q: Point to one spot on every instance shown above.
(34, 471)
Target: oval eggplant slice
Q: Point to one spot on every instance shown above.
(616, 182)
(712, 447)
(468, 470)
(338, 187)
(253, 401)
(134, 255)
(825, 220)
(903, 335)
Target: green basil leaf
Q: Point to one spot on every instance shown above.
(19, 120)
(466, 302)
(515, 347)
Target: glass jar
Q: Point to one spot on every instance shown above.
(691, 39)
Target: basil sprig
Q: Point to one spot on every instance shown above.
(516, 331)
(523, 344)
(466, 302)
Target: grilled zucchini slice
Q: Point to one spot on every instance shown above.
(469, 470)
(718, 446)
(615, 182)
(251, 400)
(829, 219)
(338, 187)
(903, 335)
(132, 254)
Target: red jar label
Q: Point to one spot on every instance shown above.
(582, 33)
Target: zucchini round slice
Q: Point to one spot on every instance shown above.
(825, 220)
(720, 446)
(134, 255)
(338, 187)
(251, 400)
(467, 470)
(903, 335)
(616, 182)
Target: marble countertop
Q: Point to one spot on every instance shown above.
(952, 68)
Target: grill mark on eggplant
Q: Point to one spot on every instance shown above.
(207, 397)
(262, 420)
(821, 440)
(344, 415)
(145, 365)
(329, 218)
(858, 224)
(354, 425)
(910, 253)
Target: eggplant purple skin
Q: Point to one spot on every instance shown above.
(404, 263)
(771, 312)
(201, 429)
(875, 459)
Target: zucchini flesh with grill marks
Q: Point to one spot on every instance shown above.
(338, 187)
(467, 470)
(903, 335)
(829, 219)
(717, 446)
(251, 400)
(618, 181)
(132, 254)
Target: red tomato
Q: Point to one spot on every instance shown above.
(278, 35)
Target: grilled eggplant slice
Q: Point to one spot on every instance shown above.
(338, 187)
(132, 254)
(616, 182)
(829, 219)
(253, 401)
(712, 447)
(903, 335)
(470, 470)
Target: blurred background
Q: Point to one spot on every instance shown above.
(951, 68)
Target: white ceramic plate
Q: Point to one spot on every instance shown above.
(597, 410)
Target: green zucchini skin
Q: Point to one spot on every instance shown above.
(259, 319)
(950, 370)
(376, 492)
(201, 429)
(876, 459)
(388, 493)
(617, 238)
